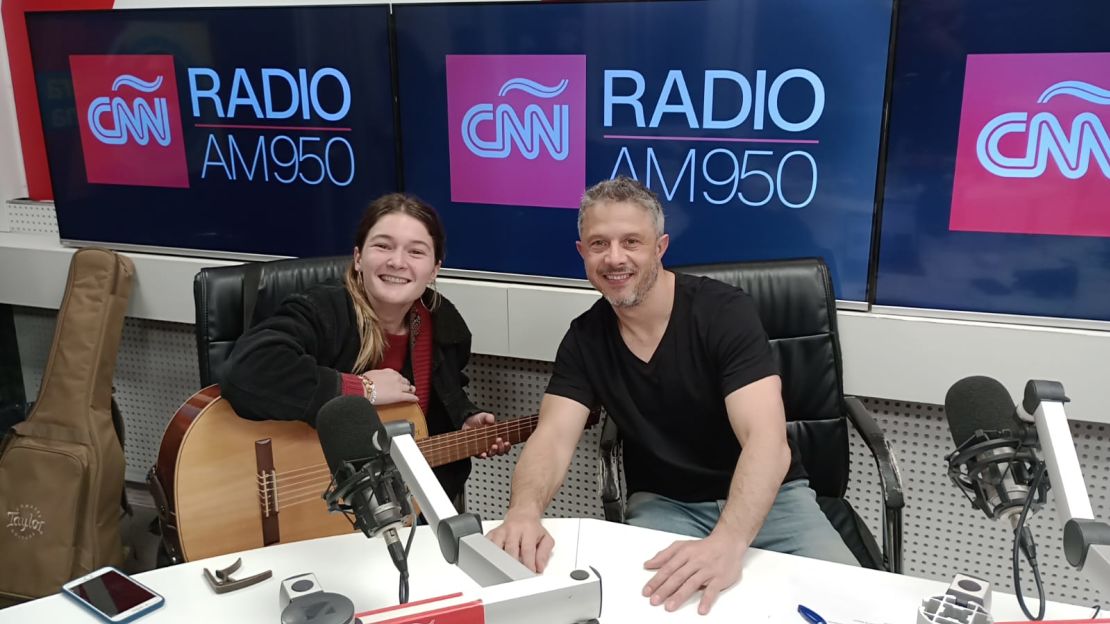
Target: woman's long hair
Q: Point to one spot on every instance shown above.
(371, 335)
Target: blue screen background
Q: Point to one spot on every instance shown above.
(216, 214)
(845, 43)
(923, 264)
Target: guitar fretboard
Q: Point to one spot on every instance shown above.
(450, 447)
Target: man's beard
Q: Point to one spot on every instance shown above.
(639, 293)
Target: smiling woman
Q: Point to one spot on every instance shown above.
(384, 334)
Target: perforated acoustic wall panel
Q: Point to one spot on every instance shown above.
(27, 217)
(943, 534)
(510, 388)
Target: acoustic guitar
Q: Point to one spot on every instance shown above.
(233, 484)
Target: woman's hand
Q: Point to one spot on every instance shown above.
(483, 419)
(391, 387)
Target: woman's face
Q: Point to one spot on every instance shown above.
(397, 260)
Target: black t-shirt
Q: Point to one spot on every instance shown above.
(678, 441)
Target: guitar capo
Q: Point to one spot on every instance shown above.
(222, 582)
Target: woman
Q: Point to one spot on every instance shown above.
(385, 334)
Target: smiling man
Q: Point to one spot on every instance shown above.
(683, 366)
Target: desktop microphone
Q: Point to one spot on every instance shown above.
(995, 460)
(365, 482)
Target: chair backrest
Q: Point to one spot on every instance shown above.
(798, 310)
(230, 299)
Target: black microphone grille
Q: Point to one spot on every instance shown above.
(975, 403)
(345, 425)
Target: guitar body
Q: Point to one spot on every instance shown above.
(222, 504)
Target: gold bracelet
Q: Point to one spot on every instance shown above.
(368, 389)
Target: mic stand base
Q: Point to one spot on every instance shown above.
(560, 599)
(967, 601)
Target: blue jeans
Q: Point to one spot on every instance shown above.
(795, 525)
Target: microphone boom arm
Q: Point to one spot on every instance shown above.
(511, 592)
(1086, 540)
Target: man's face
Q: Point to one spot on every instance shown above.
(623, 256)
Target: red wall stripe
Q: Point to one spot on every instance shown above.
(23, 84)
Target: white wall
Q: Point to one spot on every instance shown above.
(13, 182)
(887, 356)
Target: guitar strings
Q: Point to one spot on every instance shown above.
(289, 479)
(279, 481)
(315, 480)
(285, 473)
(293, 503)
(430, 450)
(284, 488)
(280, 478)
(289, 491)
(304, 487)
(516, 425)
(316, 489)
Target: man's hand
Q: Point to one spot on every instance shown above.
(712, 564)
(523, 537)
(481, 419)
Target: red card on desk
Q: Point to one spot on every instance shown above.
(450, 609)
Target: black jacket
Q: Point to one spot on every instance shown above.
(288, 365)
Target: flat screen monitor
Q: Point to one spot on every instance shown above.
(262, 130)
(997, 194)
(757, 123)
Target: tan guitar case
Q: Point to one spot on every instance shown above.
(62, 469)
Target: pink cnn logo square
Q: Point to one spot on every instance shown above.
(130, 119)
(1033, 154)
(517, 126)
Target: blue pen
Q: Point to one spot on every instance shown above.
(810, 615)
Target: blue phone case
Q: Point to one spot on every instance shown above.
(97, 612)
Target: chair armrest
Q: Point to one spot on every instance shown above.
(890, 479)
(609, 481)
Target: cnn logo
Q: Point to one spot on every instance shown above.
(517, 129)
(1034, 155)
(130, 120)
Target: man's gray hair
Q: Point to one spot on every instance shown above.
(622, 189)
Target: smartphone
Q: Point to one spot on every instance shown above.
(113, 595)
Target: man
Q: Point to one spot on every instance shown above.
(682, 364)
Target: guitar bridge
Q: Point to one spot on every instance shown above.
(267, 491)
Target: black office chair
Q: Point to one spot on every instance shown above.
(798, 310)
(230, 299)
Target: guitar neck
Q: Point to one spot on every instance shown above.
(450, 447)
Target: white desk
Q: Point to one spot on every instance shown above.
(770, 589)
